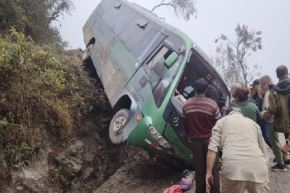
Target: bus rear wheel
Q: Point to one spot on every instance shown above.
(117, 124)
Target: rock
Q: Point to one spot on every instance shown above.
(60, 158)
(33, 175)
(34, 187)
(71, 165)
(74, 165)
(88, 172)
(89, 156)
(19, 188)
(76, 149)
(91, 108)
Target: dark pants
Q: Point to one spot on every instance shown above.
(265, 131)
(199, 149)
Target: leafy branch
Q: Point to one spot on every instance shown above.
(186, 8)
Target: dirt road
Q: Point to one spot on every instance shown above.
(149, 177)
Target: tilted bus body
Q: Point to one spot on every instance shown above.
(143, 63)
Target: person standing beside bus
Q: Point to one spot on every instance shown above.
(248, 108)
(201, 114)
(266, 120)
(279, 98)
(244, 154)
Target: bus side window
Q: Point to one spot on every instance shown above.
(156, 65)
(159, 75)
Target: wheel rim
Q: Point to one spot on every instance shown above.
(118, 124)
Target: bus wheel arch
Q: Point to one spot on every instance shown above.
(87, 53)
(120, 119)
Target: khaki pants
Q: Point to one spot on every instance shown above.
(233, 186)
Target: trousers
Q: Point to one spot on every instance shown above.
(234, 186)
(199, 149)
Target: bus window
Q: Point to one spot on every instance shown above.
(160, 77)
(157, 67)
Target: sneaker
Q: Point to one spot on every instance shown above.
(287, 163)
(279, 168)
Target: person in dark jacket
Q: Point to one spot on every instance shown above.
(257, 98)
(280, 92)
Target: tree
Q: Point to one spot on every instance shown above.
(232, 55)
(184, 7)
(33, 17)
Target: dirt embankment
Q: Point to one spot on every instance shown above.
(81, 158)
(78, 164)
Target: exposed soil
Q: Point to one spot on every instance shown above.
(140, 177)
(89, 162)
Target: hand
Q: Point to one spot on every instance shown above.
(180, 98)
(209, 179)
(285, 149)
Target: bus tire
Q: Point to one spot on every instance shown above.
(117, 124)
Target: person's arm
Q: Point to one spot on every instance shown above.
(211, 156)
(272, 103)
(286, 148)
(266, 114)
(181, 99)
(217, 114)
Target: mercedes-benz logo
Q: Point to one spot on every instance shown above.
(176, 121)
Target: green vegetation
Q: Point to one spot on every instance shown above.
(185, 8)
(43, 96)
(34, 18)
(39, 97)
(232, 55)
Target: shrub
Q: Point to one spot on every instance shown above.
(39, 97)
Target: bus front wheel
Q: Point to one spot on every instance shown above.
(117, 124)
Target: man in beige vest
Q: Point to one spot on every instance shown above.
(244, 152)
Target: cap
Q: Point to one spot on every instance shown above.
(256, 82)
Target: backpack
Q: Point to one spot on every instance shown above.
(279, 106)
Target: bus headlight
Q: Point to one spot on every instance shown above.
(158, 137)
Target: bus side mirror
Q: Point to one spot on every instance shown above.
(171, 59)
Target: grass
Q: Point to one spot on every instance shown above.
(42, 98)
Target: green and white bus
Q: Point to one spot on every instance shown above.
(143, 63)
